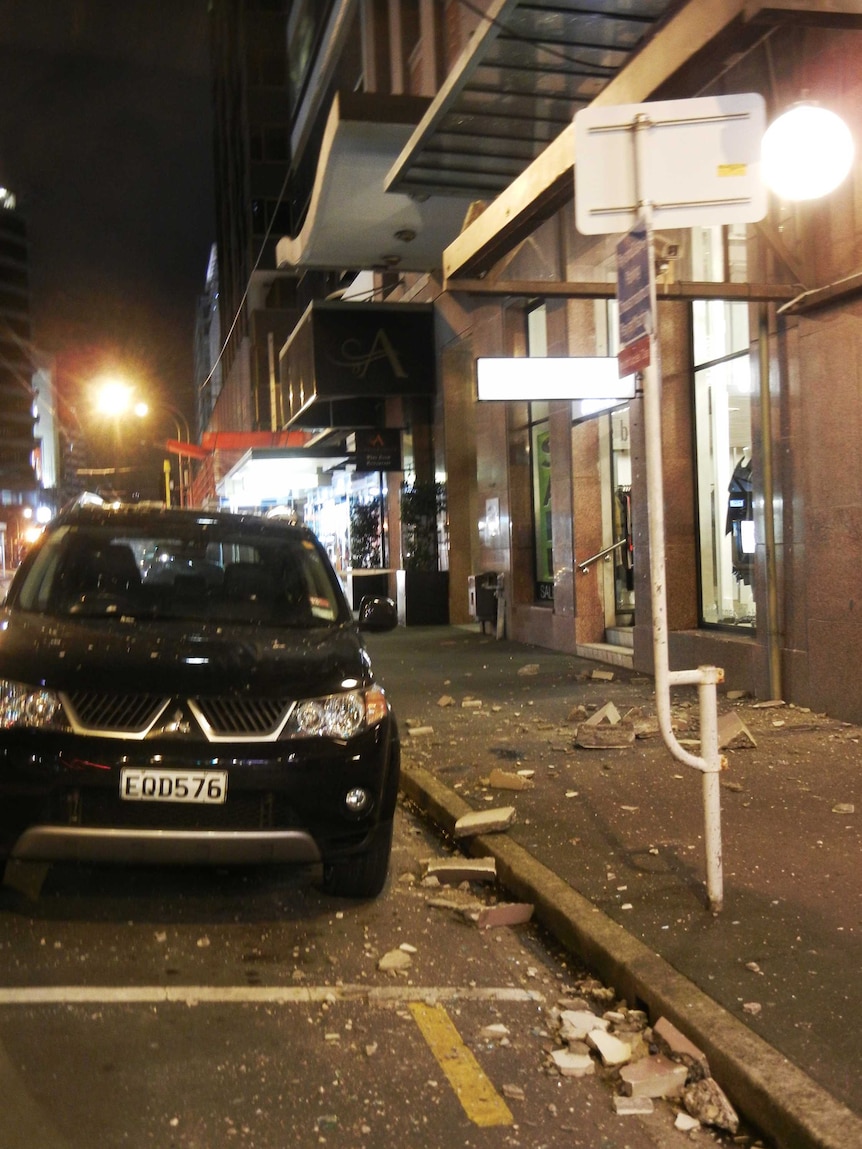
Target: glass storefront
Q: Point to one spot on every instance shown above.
(722, 396)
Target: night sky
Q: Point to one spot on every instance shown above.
(105, 139)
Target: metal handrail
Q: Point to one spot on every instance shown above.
(582, 567)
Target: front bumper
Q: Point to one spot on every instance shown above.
(286, 801)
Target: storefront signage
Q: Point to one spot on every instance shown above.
(349, 354)
(570, 377)
(378, 450)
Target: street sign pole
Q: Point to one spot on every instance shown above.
(675, 163)
(706, 678)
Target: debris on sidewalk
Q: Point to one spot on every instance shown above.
(506, 780)
(571, 1064)
(528, 670)
(602, 675)
(844, 808)
(633, 1106)
(470, 703)
(445, 700)
(605, 730)
(484, 822)
(453, 871)
(733, 733)
(610, 1048)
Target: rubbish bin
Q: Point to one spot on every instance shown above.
(483, 597)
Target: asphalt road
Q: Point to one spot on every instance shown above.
(201, 1009)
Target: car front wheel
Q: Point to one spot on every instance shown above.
(361, 875)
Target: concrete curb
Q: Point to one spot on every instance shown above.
(777, 1097)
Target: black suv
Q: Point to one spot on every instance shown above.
(190, 686)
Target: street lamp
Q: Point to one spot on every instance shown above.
(806, 153)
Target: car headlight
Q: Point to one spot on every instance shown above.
(337, 715)
(31, 706)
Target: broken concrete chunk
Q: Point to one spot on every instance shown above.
(610, 1049)
(484, 822)
(394, 960)
(513, 1092)
(844, 808)
(604, 736)
(769, 704)
(529, 669)
(706, 1101)
(420, 731)
(602, 676)
(677, 1045)
(506, 780)
(573, 1064)
(445, 700)
(578, 1024)
(733, 731)
(504, 914)
(456, 870)
(471, 704)
(686, 1123)
(653, 1077)
(608, 713)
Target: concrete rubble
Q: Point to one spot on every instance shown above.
(506, 780)
(605, 730)
(484, 822)
(456, 870)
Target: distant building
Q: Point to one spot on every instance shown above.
(17, 418)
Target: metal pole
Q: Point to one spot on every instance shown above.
(706, 678)
(773, 640)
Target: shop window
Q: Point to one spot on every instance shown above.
(722, 395)
(540, 471)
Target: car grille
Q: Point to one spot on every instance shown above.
(117, 713)
(215, 719)
(243, 716)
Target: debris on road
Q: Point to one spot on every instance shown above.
(654, 1076)
(529, 669)
(677, 1046)
(419, 731)
(504, 914)
(490, 821)
(395, 961)
(453, 871)
(706, 1101)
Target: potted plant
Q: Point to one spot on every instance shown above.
(423, 587)
(365, 552)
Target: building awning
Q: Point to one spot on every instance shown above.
(344, 360)
(363, 137)
(529, 66)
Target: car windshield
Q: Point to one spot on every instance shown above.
(209, 573)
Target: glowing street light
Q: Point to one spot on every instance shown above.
(806, 153)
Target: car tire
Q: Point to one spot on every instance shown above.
(361, 875)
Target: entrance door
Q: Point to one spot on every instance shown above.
(621, 503)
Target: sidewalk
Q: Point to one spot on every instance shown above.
(609, 843)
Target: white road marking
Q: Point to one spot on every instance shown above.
(257, 994)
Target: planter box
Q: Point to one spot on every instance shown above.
(423, 598)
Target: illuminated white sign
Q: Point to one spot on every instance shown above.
(594, 377)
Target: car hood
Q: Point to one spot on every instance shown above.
(179, 658)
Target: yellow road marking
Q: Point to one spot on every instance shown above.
(479, 1099)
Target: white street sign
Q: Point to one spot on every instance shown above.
(700, 167)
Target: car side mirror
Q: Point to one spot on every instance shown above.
(377, 613)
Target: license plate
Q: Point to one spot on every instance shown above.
(146, 785)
